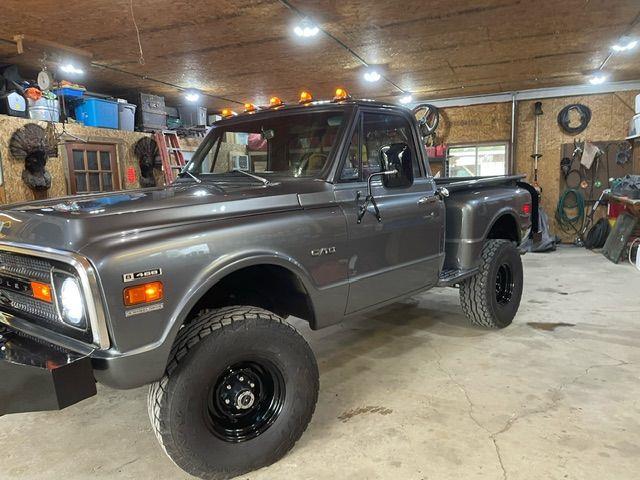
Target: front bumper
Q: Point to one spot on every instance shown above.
(37, 376)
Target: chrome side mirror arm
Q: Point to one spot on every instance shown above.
(370, 199)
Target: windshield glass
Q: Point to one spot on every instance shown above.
(293, 145)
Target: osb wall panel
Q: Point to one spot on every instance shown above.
(475, 124)
(610, 121)
(14, 190)
(486, 123)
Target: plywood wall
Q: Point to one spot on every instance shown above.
(475, 124)
(611, 113)
(14, 189)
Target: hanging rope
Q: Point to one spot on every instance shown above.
(135, 24)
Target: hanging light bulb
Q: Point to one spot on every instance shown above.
(71, 68)
(372, 75)
(406, 98)
(306, 28)
(624, 45)
(192, 95)
(598, 79)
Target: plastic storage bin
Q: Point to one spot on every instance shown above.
(126, 116)
(69, 92)
(96, 112)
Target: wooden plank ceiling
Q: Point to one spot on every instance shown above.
(244, 50)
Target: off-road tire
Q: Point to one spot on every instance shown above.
(478, 294)
(203, 349)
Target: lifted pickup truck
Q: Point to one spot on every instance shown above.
(320, 211)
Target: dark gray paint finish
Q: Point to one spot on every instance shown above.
(199, 233)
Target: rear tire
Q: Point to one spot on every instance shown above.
(239, 390)
(492, 296)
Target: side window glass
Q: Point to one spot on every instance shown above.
(351, 168)
(380, 130)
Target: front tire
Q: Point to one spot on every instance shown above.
(492, 296)
(239, 390)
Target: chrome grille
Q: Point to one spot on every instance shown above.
(24, 264)
(34, 307)
(28, 267)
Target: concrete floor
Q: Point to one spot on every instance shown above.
(412, 392)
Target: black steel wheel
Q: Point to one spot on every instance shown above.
(492, 296)
(239, 390)
(504, 284)
(245, 400)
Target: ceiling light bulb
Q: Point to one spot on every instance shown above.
(306, 28)
(620, 47)
(70, 68)
(192, 96)
(372, 76)
(406, 98)
(598, 79)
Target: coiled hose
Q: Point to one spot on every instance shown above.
(566, 221)
(564, 121)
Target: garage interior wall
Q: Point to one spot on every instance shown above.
(14, 190)
(492, 123)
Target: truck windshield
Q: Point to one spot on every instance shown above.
(293, 145)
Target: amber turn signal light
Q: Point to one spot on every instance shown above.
(146, 293)
(341, 94)
(41, 291)
(306, 97)
(275, 102)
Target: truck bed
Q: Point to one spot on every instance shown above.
(463, 183)
(478, 208)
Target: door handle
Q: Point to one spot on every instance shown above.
(426, 200)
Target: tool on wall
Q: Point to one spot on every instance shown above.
(170, 153)
(564, 119)
(625, 153)
(595, 236)
(537, 111)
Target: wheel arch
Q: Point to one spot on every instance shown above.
(504, 226)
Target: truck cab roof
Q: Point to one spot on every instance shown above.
(312, 106)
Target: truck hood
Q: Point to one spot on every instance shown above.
(69, 223)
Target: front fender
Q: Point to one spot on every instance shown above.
(146, 364)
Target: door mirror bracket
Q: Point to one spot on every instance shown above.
(370, 199)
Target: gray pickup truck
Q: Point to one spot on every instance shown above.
(321, 211)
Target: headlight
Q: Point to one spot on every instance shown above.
(70, 301)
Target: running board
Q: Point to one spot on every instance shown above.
(452, 276)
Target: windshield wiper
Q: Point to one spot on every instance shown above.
(191, 175)
(264, 181)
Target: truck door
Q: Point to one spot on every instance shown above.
(402, 252)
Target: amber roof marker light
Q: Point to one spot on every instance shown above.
(305, 97)
(275, 102)
(227, 112)
(341, 94)
(249, 108)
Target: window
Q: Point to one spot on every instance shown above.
(478, 160)
(294, 145)
(378, 130)
(351, 168)
(92, 168)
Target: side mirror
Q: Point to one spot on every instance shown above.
(398, 157)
